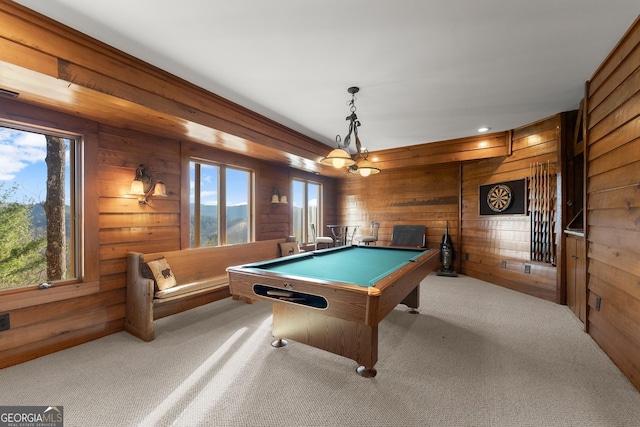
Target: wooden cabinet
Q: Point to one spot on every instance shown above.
(573, 215)
(576, 276)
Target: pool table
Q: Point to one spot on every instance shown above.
(334, 299)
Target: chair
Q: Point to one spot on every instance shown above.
(409, 235)
(373, 237)
(322, 240)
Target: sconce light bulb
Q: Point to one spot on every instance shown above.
(137, 187)
(160, 189)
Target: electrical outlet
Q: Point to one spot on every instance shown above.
(466, 256)
(598, 301)
(503, 264)
(527, 269)
(4, 322)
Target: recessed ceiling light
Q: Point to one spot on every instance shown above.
(484, 129)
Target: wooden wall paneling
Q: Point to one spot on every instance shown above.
(621, 62)
(210, 111)
(619, 348)
(622, 84)
(457, 150)
(43, 313)
(622, 176)
(541, 282)
(60, 317)
(622, 161)
(112, 267)
(121, 152)
(46, 346)
(274, 220)
(496, 248)
(422, 195)
(29, 58)
(612, 211)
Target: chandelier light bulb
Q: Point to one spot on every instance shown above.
(338, 163)
(366, 168)
(338, 158)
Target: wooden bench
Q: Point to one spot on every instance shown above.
(201, 276)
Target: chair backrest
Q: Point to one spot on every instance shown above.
(375, 226)
(409, 235)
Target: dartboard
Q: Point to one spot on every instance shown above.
(499, 197)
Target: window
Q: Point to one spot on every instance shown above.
(39, 233)
(220, 194)
(307, 209)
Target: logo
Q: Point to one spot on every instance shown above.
(31, 416)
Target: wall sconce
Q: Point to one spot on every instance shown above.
(276, 197)
(144, 185)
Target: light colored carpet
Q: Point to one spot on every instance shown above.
(477, 355)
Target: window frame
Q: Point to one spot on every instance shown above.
(222, 200)
(306, 235)
(86, 212)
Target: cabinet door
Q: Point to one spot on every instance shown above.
(571, 274)
(576, 277)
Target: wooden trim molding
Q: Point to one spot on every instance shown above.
(32, 295)
(455, 150)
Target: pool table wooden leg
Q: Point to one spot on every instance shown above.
(412, 300)
(350, 339)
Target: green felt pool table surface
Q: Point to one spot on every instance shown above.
(358, 265)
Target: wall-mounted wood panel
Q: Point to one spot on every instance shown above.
(455, 150)
(426, 195)
(613, 204)
(498, 248)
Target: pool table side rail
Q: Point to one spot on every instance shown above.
(398, 285)
(349, 302)
(346, 301)
(417, 263)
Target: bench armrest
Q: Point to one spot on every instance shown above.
(139, 320)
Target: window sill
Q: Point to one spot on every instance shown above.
(32, 295)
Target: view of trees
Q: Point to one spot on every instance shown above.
(210, 206)
(237, 225)
(22, 245)
(35, 235)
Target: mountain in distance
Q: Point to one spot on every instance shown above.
(234, 212)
